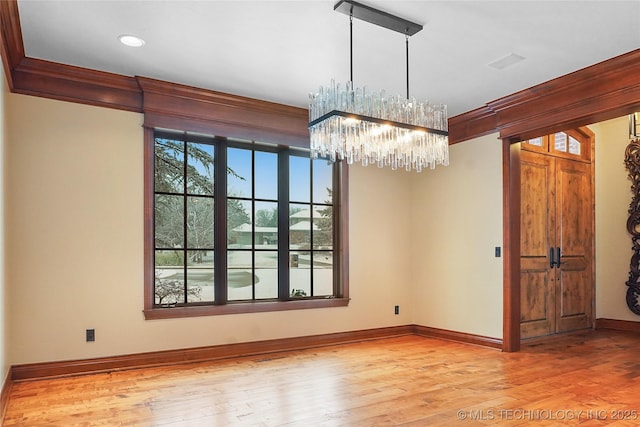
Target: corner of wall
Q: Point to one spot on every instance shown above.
(613, 242)
(456, 223)
(4, 360)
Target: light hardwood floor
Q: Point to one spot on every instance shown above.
(589, 379)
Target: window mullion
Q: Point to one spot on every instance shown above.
(185, 221)
(311, 228)
(283, 225)
(253, 224)
(220, 230)
(336, 206)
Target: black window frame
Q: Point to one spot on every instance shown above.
(221, 305)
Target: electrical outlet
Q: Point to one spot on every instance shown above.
(396, 309)
(91, 335)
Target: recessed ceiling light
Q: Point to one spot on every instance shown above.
(506, 61)
(130, 40)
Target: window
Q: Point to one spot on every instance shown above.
(240, 226)
(572, 144)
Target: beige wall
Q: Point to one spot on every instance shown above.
(456, 225)
(457, 221)
(4, 321)
(425, 242)
(75, 244)
(466, 294)
(613, 243)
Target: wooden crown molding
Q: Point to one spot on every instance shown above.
(11, 45)
(164, 104)
(59, 81)
(472, 124)
(600, 92)
(68, 83)
(170, 105)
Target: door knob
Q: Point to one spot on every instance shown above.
(558, 255)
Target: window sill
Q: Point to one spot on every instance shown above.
(242, 307)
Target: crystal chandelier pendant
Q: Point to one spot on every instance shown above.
(347, 123)
(351, 124)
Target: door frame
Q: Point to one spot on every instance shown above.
(586, 162)
(603, 91)
(511, 229)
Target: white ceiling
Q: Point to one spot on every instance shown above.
(281, 50)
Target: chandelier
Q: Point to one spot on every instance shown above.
(368, 127)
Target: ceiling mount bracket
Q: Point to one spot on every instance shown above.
(377, 17)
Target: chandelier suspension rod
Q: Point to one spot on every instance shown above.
(406, 36)
(409, 29)
(351, 46)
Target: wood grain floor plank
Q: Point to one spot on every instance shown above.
(590, 379)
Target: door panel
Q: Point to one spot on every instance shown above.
(537, 290)
(536, 195)
(572, 294)
(574, 207)
(574, 302)
(556, 212)
(573, 182)
(538, 296)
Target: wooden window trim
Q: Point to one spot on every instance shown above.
(341, 269)
(582, 134)
(585, 137)
(544, 149)
(244, 307)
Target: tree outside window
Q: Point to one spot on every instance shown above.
(205, 221)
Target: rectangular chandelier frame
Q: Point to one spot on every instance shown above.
(361, 117)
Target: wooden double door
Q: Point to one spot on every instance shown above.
(556, 239)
